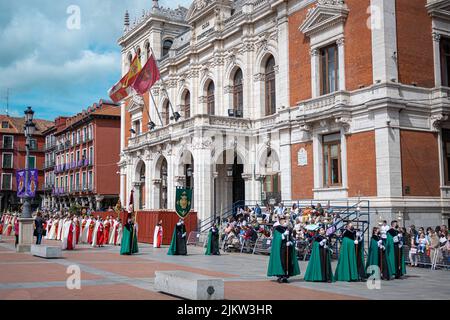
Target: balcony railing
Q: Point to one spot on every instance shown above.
(8, 146)
(73, 165)
(49, 165)
(7, 166)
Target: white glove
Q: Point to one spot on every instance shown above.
(323, 242)
(396, 239)
(380, 242)
(356, 241)
(400, 245)
(288, 243)
(286, 233)
(184, 235)
(325, 246)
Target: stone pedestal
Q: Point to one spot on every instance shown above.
(26, 229)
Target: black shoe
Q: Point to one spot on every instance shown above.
(285, 280)
(279, 280)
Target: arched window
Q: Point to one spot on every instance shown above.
(187, 104)
(165, 114)
(238, 93)
(270, 87)
(166, 47)
(210, 99)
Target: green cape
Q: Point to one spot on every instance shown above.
(391, 256)
(127, 239)
(275, 266)
(346, 269)
(372, 257)
(173, 244)
(314, 269)
(209, 246)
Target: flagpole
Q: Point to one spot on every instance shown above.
(164, 88)
(156, 107)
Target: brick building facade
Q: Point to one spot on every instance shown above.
(81, 159)
(307, 99)
(13, 155)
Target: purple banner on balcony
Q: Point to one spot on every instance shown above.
(27, 188)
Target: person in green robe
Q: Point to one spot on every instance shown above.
(283, 262)
(129, 244)
(394, 251)
(178, 245)
(359, 252)
(319, 265)
(377, 256)
(347, 268)
(213, 242)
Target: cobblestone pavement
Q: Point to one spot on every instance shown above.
(107, 275)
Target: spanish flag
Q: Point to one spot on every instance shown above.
(122, 89)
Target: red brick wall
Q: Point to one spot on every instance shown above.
(107, 150)
(358, 45)
(420, 163)
(361, 164)
(302, 177)
(414, 42)
(299, 59)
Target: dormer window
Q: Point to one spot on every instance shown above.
(166, 47)
(5, 124)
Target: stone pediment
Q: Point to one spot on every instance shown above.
(201, 7)
(136, 104)
(439, 9)
(325, 14)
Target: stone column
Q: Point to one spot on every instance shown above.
(341, 58)
(437, 59)
(26, 229)
(203, 179)
(315, 73)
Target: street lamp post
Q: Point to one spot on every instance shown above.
(26, 221)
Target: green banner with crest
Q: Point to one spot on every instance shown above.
(183, 201)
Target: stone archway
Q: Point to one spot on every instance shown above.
(160, 181)
(139, 182)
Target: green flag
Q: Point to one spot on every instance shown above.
(183, 200)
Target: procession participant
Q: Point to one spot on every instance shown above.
(129, 243)
(213, 241)
(107, 228)
(113, 232)
(178, 244)
(119, 233)
(76, 221)
(394, 244)
(85, 229)
(158, 235)
(347, 269)
(8, 226)
(99, 233)
(283, 261)
(48, 227)
(359, 252)
(16, 231)
(53, 229)
(319, 266)
(82, 227)
(69, 238)
(62, 221)
(90, 228)
(377, 255)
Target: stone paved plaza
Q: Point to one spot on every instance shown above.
(107, 275)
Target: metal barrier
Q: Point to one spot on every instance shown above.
(440, 259)
(197, 239)
(262, 245)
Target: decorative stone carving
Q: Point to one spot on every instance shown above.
(302, 157)
(345, 122)
(436, 121)
(306, 127)
(247, 176)
(340, 42)
(436, 36)
(228, 89)
(324, 15)
(259, 77)
(202, 99)
(314, 52)
(201, 143)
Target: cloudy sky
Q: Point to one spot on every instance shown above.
(59, 70)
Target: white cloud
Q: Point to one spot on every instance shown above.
(57, 69)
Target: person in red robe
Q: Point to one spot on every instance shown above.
(77, 228)
(91, 230)
(99, 234)
(107, 227)
(70, 245)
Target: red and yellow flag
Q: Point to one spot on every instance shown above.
(122, 89)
